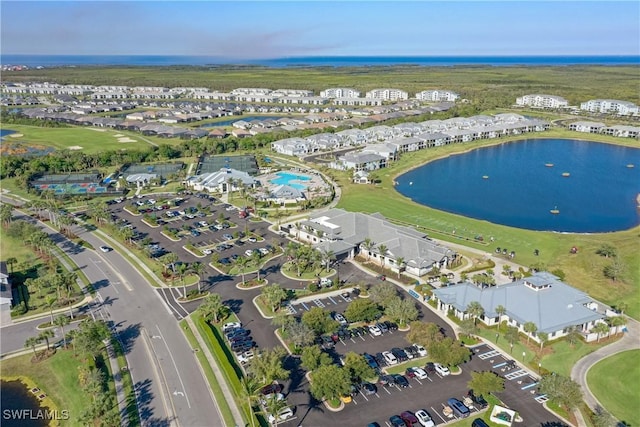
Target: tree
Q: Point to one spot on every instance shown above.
(475, 310)
(448, 352)
(273, 407)
(468, 327)
(368, 245)
(607, 251)
(601, 418)
(169, 260)
(327, 256)
(199, 269)
(358, 367)
(32, 342)
(543, 337)
(614, 270)
(267, 366)
(600, 328)
(300, 334)
(330, 382)
(400, 263)
(212, 308)
(573, 335)
(313, 357)
(401, 311)
(6, 214)
(424, 333)
(11, 261)
(622, 307)
(360, 310)
(45, 335)
(61, 321)
(273, 295)
(486, 382)
(617, 321)
(89, 337)
(382, 248)
(530, 328)
(512, 334)
(382, 293)
(250, 391)
(319, 320)
(561, 389)
(500, 311)
(50, 301)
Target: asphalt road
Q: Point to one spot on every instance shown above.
(171, 389)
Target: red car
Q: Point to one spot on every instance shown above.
(409, 419)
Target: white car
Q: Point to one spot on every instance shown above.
(424, 419)
(442, 370)
(245, 357)
(231, 325)
(105, 249)
(422, 352)
(375, 331)
(389, 358)
(340, 319)
(230, 208)
(203, 224)
(283, 414)
(275, 396)
(421, 374)
(264, 251)
(207, 251)
(248, 252)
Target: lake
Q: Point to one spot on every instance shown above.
(238, 118)
(15, 396)
(593, 186)
(5, 132)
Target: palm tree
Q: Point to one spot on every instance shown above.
(326, 257)
(543, 337)
(11, 261)
(212, 308)
(6, 214)
(383, 251)
(198, 268)
(500, 311)
(600, 328)
(50, 301)
(32, 342)
(250, 390)
(475, 310)
(530, 328)
(399, 262)
(241, 263)
(368, 245)
(61, 321)
(169, 259)
(617, 321)
(45, 335)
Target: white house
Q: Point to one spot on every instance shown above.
(437, 95)
(387, 94)
(542, 101)
(610, 106)
(340, 92)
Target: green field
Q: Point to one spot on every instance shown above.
(477, 83)
(583, 270)
(614, 381)
(89, 139)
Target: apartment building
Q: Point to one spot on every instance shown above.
(437, 95)
(542, 101)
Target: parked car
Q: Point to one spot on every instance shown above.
(105, 249)
(368, 388)
(420, 373)
(477, 400)
(227, 236)
(389, 358)
(399, 354)
(409, 418)
(430, 367)
(459, 408)
(283, 415)
(375, 330)
(231, 325)
(271, 388)
(441, 370)
(383, 328)
(479, 422)
(340, 319)
(400, 380)
(385, 380)
(273, 396)
(396, 421)
(422, 352)
(245, 357)
(390, 325)
(424, 418)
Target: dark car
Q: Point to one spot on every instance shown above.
(380, 359)
(368, 388)
(400, 380)
(396, 421)
(409, 419)
(371, 361)
(409, 373)
(383, 328)
(430, 368)
(478, 400)
(327, 340)
(399, 354)
(390, 325)
(386, 380)
(411, 350)
(274, 388)
(479, 422)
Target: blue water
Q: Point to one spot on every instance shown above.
(598, 196)
(5, 132)
(330, 61)
(288, 178)
(237, 119)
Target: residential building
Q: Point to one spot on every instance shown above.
(224, 181)
(551, 305)
(387, 94)
(340, 92)
(6, 296)
(587, 127)
(542, 101)
(437, 95)
(610, 106)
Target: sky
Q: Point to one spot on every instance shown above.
(279, 29)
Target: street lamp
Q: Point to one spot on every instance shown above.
(539, 367)
(523, 355)
(497, 335)
(511, 344)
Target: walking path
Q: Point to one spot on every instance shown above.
(630, 341)
(117, 379)
(219, 377)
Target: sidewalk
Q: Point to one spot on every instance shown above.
(237, 416)
(117, 379)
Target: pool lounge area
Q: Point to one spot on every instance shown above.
(292, 180)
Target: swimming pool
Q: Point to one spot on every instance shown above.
(291, 179)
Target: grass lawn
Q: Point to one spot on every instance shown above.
(614, 381)
(583, 270)
(57, 377)
(91, 140)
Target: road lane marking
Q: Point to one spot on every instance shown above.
(175, 366)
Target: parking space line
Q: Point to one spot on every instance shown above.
(333, 301)
(419, 382)
(438, 414)
(361, 337)
(352, 340)
(365, 397)
(318, 303)
(387, 390)
(305, 306)
(377, 395)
